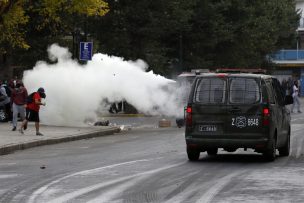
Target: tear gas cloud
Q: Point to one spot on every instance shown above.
(77, 93)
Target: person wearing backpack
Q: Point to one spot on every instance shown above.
(18, 100)
(32, 110)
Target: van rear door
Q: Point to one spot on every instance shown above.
(209, 109)
(244, 106)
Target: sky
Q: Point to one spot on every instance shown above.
(77, 94)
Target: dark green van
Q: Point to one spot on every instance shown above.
(232, 111)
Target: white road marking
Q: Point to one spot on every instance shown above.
(299, 148)
(296, 127)
(41, 190)
(83, 147)
(4, 176)
(215, 189)
(295, 131)
(85, 190)
(183, 196)
(106, 197)
(7, 164)
(262, 185)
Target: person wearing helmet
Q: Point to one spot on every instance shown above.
(32, 110)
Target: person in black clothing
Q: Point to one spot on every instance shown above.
(284, 87)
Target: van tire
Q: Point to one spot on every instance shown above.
(270, 152)
(285, 150)
(212, 152)
(193, 155)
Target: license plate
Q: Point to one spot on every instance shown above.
(207, 128)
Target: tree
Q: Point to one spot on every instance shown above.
(32, 25)
(12, 21)
(197, 33)
(235, 33)
(172, 35)
(145, 29)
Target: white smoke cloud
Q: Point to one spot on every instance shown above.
(75, 93)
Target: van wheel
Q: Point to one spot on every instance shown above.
(212, 152)
(270, 152)
(285, 150)
(193, 155)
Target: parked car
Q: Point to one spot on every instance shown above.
(232, 111)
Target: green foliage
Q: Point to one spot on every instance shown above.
(29, 27)
(12, 23)
(88, 7)
(241, 33)
(197, 33)
(24, 20)
(171, 35)
(144, 29)
(57, 13)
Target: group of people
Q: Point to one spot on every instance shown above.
(15, 102)
(292, 88)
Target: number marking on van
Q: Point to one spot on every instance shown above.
(242, 122)
(253, 122)
(207, 128)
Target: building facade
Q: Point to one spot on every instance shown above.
(290, 62)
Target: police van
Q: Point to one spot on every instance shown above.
(237, 110)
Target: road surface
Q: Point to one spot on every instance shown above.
(150, 165)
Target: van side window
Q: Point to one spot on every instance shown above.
(244, 91)
(210, 91)
(270, 92)
(265, 97)
(278, 91)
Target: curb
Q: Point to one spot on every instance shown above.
(14, 147)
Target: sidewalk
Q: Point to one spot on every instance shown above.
(295, 109)
(11, 141)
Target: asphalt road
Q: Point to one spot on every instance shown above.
(150, 165)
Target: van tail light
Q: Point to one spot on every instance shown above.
(221, 75)
(189, 116)
(266, 116)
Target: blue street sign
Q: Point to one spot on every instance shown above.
(86, 51)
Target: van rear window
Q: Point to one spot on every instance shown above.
(244, 91)
(210, 91)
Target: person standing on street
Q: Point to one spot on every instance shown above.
(295, 95)
(18, 100)
(5, 103)
(32, 110)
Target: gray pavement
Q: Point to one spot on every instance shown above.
(11, 141)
